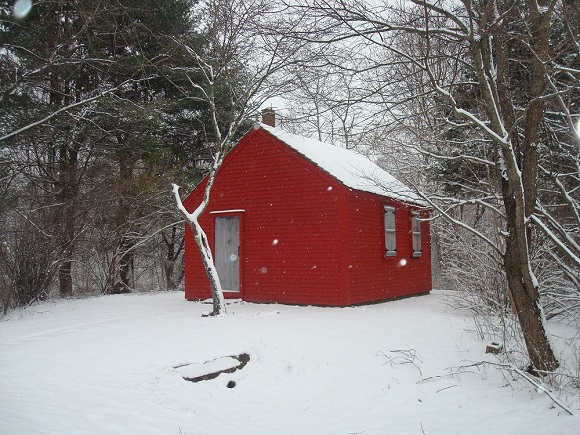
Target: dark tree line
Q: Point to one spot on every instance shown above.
(98, 115)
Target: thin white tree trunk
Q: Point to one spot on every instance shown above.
(219, 306)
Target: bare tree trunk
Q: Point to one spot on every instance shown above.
(173, 247)
(65, 281)
(67, 236)
(126, 282)
(539, 45)
(127, 265)
(69, 219)
(219, 305)
(67, 191)
(524, 291)
(517, 165)
(522, 283)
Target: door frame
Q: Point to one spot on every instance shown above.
(230, 213)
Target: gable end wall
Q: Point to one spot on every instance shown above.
(290, 247)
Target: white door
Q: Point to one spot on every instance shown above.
(227, 252)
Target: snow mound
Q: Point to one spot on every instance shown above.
(196, 372)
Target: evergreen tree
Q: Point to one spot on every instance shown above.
(98, 114)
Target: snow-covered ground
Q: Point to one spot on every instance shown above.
(108, 365)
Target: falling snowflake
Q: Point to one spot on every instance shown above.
(21, 8)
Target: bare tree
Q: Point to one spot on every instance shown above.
(483, 75)
(244, 36)
(93, 124)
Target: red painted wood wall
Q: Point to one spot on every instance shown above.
(305, 237)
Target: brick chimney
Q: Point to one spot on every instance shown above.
(269, 116)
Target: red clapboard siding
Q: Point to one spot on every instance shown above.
(305, 238)
(374, 276)
(289, 225)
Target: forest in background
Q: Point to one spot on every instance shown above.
(84, 203)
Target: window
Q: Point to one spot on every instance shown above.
(390, 233)
(416, 233)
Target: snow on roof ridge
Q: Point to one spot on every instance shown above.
(353, 170)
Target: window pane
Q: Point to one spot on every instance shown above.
(390, 233)
(416, 234)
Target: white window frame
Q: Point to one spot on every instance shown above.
(416, 233)
(390, 231)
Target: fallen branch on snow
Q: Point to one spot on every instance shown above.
(403, 356)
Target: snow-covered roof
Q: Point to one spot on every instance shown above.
(353, 170)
